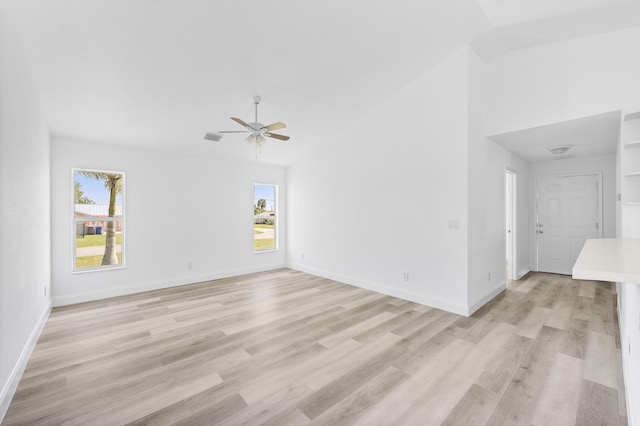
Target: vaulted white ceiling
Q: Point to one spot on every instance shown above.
(160, 73)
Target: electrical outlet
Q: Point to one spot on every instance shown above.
(405, 276)
(489, 276)
(189, 265)
(302, 256)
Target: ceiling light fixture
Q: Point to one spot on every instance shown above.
(559, 149)
(256, 139)
(258, 132)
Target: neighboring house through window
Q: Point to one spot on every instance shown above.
(98, 219)
(265, 220)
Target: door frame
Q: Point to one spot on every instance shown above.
(598, 175)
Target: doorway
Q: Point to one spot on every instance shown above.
(568, 211)
(510, 224)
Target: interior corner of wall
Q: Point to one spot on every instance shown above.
(489, 295)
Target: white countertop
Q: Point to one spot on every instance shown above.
(609, 259)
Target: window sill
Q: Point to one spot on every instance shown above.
(101, 269)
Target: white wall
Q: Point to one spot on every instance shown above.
(555, 82)
(375, 222)
(378, 202)
(487, 222)
(179, 209)
(524, 219)
(24, 211)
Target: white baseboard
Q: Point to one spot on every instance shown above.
(630, 399)
(69, 299)
(487, 297)
(522, 273)
(9, 388)
(412, 296)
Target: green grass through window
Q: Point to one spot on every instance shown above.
(96, 240)
(92, 261)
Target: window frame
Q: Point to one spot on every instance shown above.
(75, 221)
(276, 227)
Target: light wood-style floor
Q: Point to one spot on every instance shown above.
(284, 347)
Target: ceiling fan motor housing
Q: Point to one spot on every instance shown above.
(258, 128)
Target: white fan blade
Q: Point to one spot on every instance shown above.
(242, 123)
(275, 136)
(213, 136)
(275, 126)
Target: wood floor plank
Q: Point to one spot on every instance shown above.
(546, 291)
(437, 399)
(526, 284)
(332, 393)
(271, 406)
(603, 317)
(516, 405)
(477, 330)
(474, 408)
(287, 348)
(531, 325)
(312, 372)
(397, 322)
(290, 417)
(361, 327)
(558, 403)
(575, 339)
(587, 289)
(600, 363)
(214, 412)
(598, 405)
(560, 316)
(357, 402)
(516, 308)
(499, 374)
(582, 308)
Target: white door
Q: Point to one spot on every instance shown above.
(568, 213)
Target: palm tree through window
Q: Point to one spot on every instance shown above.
(98, 218)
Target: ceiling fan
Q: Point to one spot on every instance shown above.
(257, 131)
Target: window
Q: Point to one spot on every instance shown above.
(265, 221)
(98, 220)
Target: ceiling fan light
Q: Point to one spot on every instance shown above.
(250, 139)
(260, 140)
